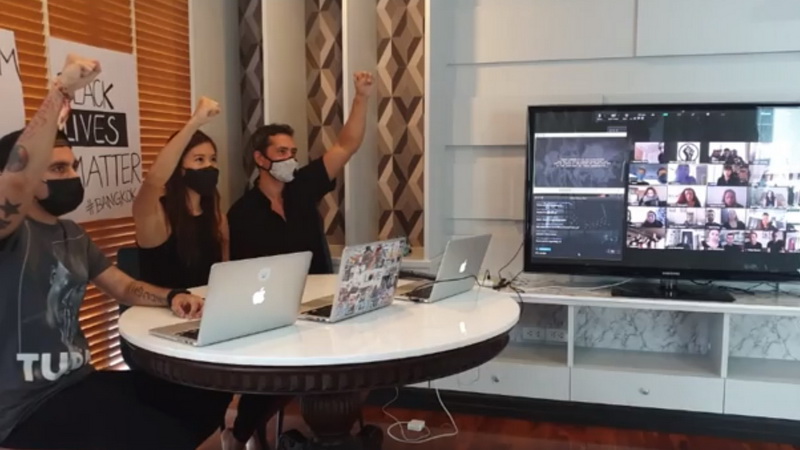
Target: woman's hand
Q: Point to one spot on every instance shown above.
(206, 110)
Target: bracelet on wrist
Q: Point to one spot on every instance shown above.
(57, 84)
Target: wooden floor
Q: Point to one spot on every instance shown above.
(485, 433)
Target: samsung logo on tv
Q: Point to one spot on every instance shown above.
(671, 274)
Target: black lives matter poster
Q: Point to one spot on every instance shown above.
(12, 114)
(103, 129)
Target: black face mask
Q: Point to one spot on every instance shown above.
(202, 181)
(65, 196)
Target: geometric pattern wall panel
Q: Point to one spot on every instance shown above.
(401, 106)
(324, 102)
(251, 41)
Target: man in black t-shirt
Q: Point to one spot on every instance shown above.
(752, 244)
(49, 391)
(279, 215)
(777, 244)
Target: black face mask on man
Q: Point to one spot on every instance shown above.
(203, 181)
(65, 195)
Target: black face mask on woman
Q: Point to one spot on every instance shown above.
(202, 181)
(65, 196)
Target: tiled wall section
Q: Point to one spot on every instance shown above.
(325, 104)
(401, 90)
(252, 85)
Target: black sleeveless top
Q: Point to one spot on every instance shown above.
(162, 266)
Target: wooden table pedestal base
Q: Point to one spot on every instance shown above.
(331, 418)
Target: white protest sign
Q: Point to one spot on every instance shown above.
(104, 131)
(12, 113)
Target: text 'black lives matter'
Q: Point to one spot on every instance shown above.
(97, 129)
(101, 126)
(8, 62)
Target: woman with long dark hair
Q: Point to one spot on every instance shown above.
(180, 229)
(689, 198)
(181, 232)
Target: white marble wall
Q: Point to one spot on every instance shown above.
(772, 337)
(545, 317)
(642, 330)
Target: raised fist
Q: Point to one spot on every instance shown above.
(77, 73)
(206, 110)
(363, 82)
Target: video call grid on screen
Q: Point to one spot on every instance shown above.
(690, 192)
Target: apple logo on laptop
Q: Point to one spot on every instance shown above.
(259, 296)
(463, 267)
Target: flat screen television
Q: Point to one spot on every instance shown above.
(671, 192)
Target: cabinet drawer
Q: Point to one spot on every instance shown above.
(647, 390)
(512, 379)
(762, 399)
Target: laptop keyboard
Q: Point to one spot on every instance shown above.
(423, 292)
(324, 311)
(191, 334)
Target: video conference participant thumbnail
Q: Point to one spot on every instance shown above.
(647, 196)
(646, 227)
(647, 174)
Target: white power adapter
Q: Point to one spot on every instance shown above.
(416, 425)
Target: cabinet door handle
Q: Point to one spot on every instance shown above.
(644, 391)
(495, 379)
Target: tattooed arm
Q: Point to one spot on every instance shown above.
(31, 153)
(27, 162)
(118, 285)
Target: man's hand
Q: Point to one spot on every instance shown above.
(187, 306)
(363, 82)
(206, 110)
(77, 73)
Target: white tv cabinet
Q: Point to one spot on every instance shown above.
(583, 345)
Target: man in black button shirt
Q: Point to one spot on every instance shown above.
(279, 215)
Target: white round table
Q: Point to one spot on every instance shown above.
(330, 364)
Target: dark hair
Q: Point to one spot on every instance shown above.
(181, 221)
(261, 139)
(8, 141)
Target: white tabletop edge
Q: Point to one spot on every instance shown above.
(402, 330)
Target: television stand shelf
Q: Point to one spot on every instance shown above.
(580, 344)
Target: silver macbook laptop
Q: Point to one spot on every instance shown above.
(246, 297)
(368, 276)
(458, 272)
